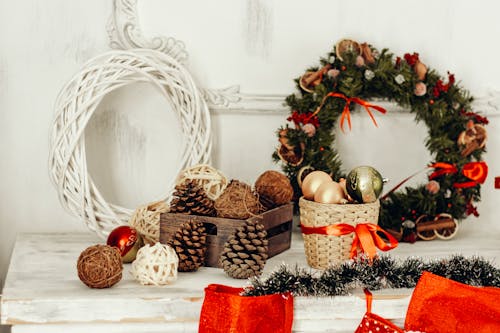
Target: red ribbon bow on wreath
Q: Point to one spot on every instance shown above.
(346, 113)
(365, 239)
(475, 171)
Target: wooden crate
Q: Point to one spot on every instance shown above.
(278, 224)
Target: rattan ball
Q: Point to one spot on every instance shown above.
(155, 265)
(146, 220)
(100, 266)
(274, 187)
(238, 201)
(211, 179)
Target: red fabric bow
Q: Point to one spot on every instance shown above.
(440, 305)
(225, 310)
(475, 171)
(374, 323)
(365, 239)
(346, 113)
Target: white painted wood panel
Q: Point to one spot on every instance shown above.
(109, 328)
(42, 288)
(147, 328)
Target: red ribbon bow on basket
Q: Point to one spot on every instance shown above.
(365, 239)
(475, 171)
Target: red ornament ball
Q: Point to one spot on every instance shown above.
(127, 240)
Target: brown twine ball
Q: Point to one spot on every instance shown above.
(274, 188)
(238, 201)
(100, 266)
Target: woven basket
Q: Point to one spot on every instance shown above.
(323, 251)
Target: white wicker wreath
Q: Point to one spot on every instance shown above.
(78, 101)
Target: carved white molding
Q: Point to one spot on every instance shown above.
(125, 33)
(486, 104)
(224, 97)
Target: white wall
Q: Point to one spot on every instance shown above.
(261, 45)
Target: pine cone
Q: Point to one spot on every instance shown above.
(190, 198)
(189, 242)
(245, 252)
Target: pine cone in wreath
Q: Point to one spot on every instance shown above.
(245, 252)
(189, 242)
(190, 198)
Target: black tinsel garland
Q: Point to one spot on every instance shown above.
(384, 272)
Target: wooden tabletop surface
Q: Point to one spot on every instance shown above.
(42, 288)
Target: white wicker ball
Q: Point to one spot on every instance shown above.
(155, 265)
(212, 180)
(146, 220)
(78, 101)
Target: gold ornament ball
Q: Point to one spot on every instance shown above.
(312, 182)
(364, 184)
(330, 193)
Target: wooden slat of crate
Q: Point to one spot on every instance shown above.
(278, 223)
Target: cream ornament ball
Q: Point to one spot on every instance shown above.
(155, 265)
(343, 184)
(302, 174)
(312, 182)
(330, 193)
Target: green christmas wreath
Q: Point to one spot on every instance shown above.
(355, 73)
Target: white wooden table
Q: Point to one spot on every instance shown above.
(42, 292)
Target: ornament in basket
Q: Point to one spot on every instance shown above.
(334, 229)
